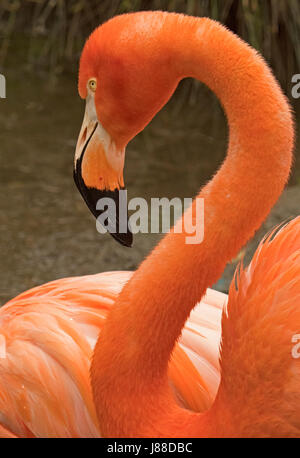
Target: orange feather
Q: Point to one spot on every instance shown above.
(47, 336)
(150, 375)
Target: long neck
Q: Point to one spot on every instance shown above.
(131, 358)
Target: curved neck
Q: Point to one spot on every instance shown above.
(131, 357)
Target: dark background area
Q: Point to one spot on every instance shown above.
(46, 231)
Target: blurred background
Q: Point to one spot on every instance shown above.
(46, 231)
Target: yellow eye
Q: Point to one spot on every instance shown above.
(92, 84)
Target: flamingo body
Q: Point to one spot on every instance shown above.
(154, 358)
(48, 334)
(47, 337)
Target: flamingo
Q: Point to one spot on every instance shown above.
(154, 365)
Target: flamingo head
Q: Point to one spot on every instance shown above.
(125, 78)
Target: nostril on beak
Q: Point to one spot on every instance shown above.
(83, 138)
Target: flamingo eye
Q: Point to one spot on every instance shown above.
(92, 84)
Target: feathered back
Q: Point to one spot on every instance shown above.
(260, 377)
(47, 336)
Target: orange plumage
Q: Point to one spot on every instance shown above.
(49, 335)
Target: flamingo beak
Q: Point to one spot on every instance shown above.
(98, 174)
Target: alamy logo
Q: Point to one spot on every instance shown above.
(296, 347)
(191, 223)
(2, 87)
(296, 87)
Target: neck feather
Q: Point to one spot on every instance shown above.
(135, 345)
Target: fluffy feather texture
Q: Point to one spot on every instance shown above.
(263, 315)
(47, 336)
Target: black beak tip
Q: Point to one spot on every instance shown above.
(124, 239)
(91, 197)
